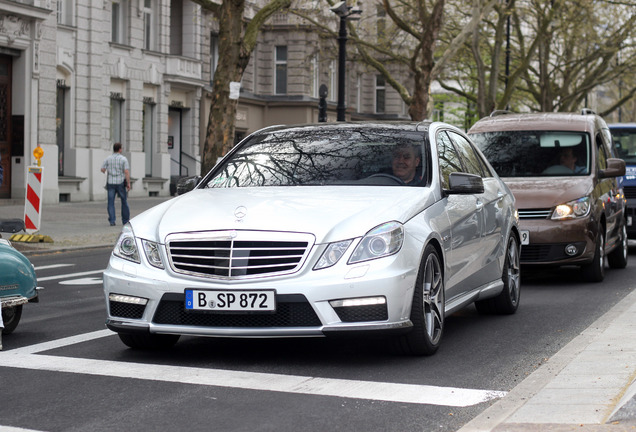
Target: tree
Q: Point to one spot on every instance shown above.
(559, 52)
(399, 40)
(237, 39)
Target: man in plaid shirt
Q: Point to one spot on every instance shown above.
(117, 183)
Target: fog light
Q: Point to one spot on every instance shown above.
(127, 299)
(364, 301)
(571, 250)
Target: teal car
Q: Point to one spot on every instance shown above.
(18, 285)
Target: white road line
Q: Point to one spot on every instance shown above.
(52, 266)
(69, 275)
(24, 358)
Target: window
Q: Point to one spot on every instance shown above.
(380, 94)
(281, 70)
(60, 121)
(119, 21)
(380, 23)
(148, 129)
(65, 12)
(468, 155)
(602, 152)
(332, 81)
(449, 160)
(214, 55)
(116, 117)
(315, 76)
(150, 25)
(176, 27)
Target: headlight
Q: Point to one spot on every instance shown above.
(332, 254)
(572, 210)
(381, 241)
(126, 247)
(152, 253)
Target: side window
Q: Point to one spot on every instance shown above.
(468, 155)
(602, 152)
(449, 160)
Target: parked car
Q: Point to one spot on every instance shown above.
(322, 230)
(18, 282)
(563, 173)
(624, 136)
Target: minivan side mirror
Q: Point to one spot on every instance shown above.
(464, 183)
(615, 168)
(186, 184)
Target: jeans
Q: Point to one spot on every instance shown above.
(117, 189)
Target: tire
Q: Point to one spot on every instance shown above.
(11, 317)
(427, 309)
(507, 302)
(617, 259)
(148, 341)
(595, 271)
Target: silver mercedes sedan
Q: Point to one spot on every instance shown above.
(322, 230)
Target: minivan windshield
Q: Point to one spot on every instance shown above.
(536, 153)
(324, 156)
(625, 141)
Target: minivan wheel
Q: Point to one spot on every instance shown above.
(507, 301)
(595, 271)
(617, 259)
(427, 310)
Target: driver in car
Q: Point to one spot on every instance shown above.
(406, 160)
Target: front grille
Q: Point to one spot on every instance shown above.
(126, 310)
(535, 213)
(292, 310)
(362, 313)
(238, 254)
(630, 192)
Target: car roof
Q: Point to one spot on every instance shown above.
(536, 121)
(406, 125)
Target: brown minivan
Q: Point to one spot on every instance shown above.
(561, 169)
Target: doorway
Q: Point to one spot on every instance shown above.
(5, 124)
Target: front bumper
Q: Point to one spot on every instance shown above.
(550, 239)
(302, 299)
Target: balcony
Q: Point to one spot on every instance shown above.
(183, 67)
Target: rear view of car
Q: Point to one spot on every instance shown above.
(624, 136)
(561, 169)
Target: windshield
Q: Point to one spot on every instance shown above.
(625, 141)
(535, 153)
(324, 156)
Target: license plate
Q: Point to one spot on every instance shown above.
(232, 301)
(525, 237)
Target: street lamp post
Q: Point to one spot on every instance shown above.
(345, 13)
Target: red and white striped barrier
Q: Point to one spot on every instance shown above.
(33, 202)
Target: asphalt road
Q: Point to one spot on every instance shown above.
(92, 382)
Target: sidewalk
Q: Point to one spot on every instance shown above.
(588, 386)
(74, 225)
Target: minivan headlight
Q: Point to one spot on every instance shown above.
(381, 241)
(126, 246)
(571, 210)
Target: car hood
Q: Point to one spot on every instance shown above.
(547, 192)
(328, 212)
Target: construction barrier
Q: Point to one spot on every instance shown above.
(33, 202)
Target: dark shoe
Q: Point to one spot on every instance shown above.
(112, 224)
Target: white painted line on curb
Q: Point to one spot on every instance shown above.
(24, 358)
(69, 275)
(52, 266)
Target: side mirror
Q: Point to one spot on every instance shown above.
(464, 183)
(615, 168)
(186, 184)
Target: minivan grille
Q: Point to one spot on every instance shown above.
(535, 213)
(240, 256)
